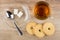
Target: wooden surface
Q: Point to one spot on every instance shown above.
(8, 30)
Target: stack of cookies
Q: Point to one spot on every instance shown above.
(40, 30)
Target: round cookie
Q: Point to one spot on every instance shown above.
(48, 28)
(38, 31)
(30, 27)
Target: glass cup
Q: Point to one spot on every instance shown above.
(41, 10)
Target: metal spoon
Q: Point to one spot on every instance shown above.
(9, 14)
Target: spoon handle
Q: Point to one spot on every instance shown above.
(18, 29)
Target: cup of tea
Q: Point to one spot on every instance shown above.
(41, 10)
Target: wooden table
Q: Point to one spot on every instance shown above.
(8, 30)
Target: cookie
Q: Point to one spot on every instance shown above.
(38, 31)
(48, 28)
(30, 27)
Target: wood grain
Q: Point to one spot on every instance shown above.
(8, 30)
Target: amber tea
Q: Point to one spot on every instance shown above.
(41, 10)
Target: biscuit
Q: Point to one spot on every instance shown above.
(48, 28)
(38, 31)
(30, 27)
